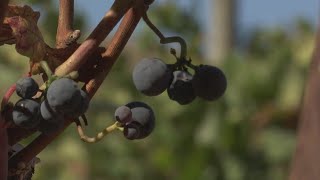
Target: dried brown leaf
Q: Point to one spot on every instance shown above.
(27, 36)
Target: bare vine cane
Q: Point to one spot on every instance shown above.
(114, 49)
(3, 153)
(81, 55)
(65, 33)
(3, 9)
(306, 161)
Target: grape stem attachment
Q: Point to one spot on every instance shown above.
(100, 135)
(44, 65)
(167, 40)
(181, 62)
(51, 77)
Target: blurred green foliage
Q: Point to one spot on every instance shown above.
(248, 134)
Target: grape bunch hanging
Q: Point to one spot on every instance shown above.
(51, 106)
(152, 76)
(61, 98)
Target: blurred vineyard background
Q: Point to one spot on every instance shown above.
(249, 134)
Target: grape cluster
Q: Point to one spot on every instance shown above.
(61, 99)
(26, 111)
(137, 119)
(152, 77)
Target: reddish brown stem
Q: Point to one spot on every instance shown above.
(306, 161)
(65, 23)
(3, 153)
(3, 10)
(3, 131)
(16, 134)
(7, 95)
(80, 56)
(122, 35)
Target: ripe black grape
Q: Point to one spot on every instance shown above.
(81, 107)
(63, 95)
(209, 82)
(151, 76)
(132, 130)
(48, 127)
(123, 114)
(50, 115)
(143, 115)
(26, 113)
(26, 87)
(181, 89)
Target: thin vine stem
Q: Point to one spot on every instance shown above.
(44, 65)
(99, 136)
(167, 40)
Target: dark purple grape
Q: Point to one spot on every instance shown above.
(143, 115)
(63, 95)
(181, 89)
(26, 113)
(50, 115)
(132, 130)
(209, 82)
(26, 87)
(123, 114)
(48, 127)
(151, 76)
(81, 107)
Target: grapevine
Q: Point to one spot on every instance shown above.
(52, 106)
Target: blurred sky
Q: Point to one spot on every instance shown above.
(251, 13)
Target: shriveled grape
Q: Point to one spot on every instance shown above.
(181, 89)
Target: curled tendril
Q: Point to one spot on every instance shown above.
(166, 40)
